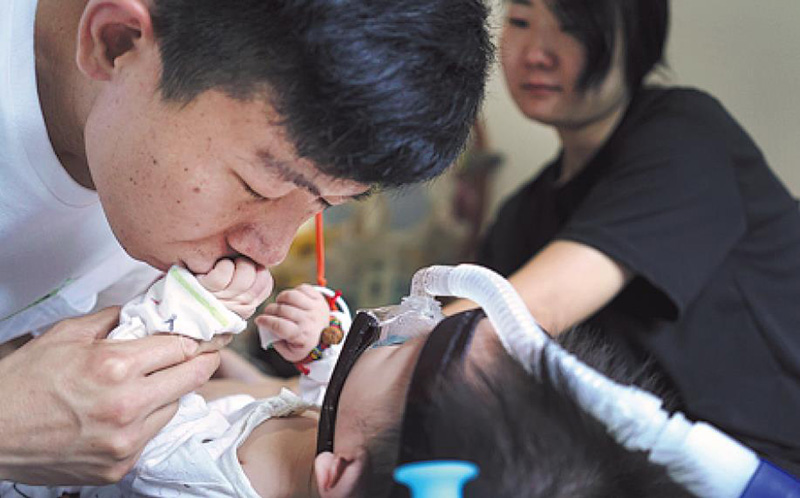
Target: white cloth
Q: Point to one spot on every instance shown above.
(195, 455)
(176, 303)
(53, 232)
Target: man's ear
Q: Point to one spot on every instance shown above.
(110, 29)
(338, 475)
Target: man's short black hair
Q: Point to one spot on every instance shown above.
(643, 25)
(377, 91)
(530, 438)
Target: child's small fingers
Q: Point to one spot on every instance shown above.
(243, 277)
(246, 303)
(285, 311)
(219, 277)
(303, 298)
(244, 310)
(262, 287)
(291, 297)
(291, 352)
(283, 329)
(313, 293)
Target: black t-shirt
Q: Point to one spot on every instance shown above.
(682, 197)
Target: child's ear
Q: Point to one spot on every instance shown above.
(338, 475)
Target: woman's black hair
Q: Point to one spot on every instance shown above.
(380, 92)
(640, 25)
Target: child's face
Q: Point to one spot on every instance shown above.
(373, 396)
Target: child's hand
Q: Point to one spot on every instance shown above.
(241, 285)
(297, 318)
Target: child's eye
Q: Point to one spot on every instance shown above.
(517, 22)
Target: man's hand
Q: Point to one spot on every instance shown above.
(297, 318)
(79, 409)
(240, 285)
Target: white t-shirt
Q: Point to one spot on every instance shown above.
(57, 251)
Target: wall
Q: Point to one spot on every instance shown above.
(746, 53)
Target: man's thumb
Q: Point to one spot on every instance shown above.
(89, 327)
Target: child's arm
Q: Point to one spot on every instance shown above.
(239, 284)
(303, 329)
(296, 320)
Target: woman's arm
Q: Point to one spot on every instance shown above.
(564, 284)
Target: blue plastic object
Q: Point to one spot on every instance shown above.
(771, 482)
(436, 478)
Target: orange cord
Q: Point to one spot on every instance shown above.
(321, 281)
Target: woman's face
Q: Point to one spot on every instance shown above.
(543, 64)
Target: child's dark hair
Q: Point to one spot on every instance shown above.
(380, 92)
(529, 437)
(643, 25)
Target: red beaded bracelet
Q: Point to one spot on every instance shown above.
(330, 335)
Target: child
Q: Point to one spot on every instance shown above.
(201, 307)
(237, 446)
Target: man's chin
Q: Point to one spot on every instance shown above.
(155, 263)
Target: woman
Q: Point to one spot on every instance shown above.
(659, 221)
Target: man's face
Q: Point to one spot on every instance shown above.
(190, 184)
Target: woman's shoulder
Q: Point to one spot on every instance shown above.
(684, 104)
(676, 115)
(672, 129)
(676, 94)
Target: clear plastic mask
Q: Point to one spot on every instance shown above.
(415, 316)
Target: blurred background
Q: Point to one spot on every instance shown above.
(745, 53)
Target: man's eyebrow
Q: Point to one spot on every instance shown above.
(527, 3)
(363, 195)
(286, 173)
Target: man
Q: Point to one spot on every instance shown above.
(186, 132)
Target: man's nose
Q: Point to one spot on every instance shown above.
(265, 243)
